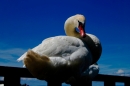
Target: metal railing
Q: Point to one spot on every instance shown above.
(12, 77)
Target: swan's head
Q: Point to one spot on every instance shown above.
(73, 23)
(79, 22)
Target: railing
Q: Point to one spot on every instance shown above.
(12, 77)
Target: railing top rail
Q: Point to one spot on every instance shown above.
(114, 78)
(23, 72)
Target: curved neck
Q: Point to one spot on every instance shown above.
(70, 28)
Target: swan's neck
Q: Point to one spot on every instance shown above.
(70, 28)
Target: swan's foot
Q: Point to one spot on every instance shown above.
(36, 64)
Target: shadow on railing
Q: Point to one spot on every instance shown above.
(12, 77)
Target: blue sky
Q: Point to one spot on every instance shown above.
(25, 23)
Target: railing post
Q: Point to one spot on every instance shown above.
(109, 83)
(12, 80)
(82, 84)
(89, 84)
(127, 83)
(54, 84)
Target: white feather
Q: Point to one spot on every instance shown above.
(60, 46)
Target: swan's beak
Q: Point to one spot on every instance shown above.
(82, 31)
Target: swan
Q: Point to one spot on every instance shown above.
(91, 40)
(61, 57)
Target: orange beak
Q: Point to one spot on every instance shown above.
(82, 31)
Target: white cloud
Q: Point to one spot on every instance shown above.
(104, 66)
(127, 74)
(9, 56)
(16, 51)
(111, 70)
(120, 71)
(11, 53)
(105, 69)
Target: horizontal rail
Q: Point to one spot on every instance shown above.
(17, 73)
(103, 77)
(21, 72)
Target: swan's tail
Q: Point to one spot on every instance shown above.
(37, 65)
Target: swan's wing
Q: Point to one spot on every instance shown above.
(94, 45)
(60, 46)
(94, 38)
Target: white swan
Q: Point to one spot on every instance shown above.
(63, 56)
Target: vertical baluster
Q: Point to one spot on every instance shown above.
(82, 84)
(127, 83)
(90, 84)
(54, 84)
(109, 83)
(11, 80)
